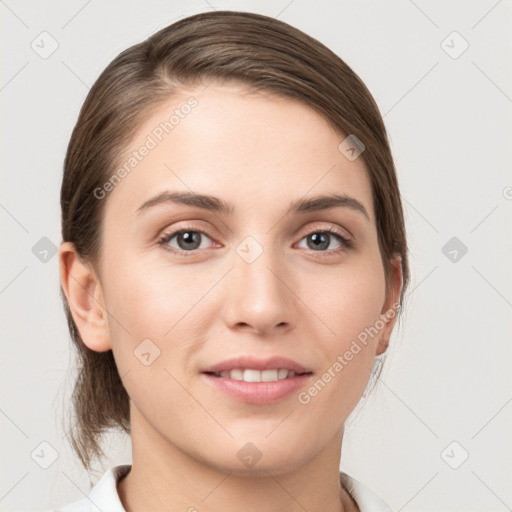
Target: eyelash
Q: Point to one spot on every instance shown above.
(166, 237)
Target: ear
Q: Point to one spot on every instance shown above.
(83, 291)
(389, 311)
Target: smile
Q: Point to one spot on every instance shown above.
(250, 386)
(251, 375)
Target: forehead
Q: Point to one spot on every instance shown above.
(249, 148)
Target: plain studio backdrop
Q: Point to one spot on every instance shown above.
(435, 434)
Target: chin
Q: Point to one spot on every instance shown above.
(260, 456)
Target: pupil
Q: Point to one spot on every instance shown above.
(319, 240)
(189, 237)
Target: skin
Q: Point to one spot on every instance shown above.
(259, 152)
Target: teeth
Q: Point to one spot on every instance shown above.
(252, 376)
(269, 375)
(282, 374)
(249, 375)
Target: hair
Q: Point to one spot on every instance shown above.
(253, 50)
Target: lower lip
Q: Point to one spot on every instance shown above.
(258, 392)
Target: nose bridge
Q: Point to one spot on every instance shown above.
(258, 295)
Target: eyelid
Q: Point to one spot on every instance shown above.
(320, 227)
(185, 225)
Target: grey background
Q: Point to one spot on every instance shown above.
(447, 377)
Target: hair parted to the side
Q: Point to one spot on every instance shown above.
(257, 51)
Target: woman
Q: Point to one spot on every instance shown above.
(233, 261)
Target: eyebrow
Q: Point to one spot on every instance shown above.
(214, 204)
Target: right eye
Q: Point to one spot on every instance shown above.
(187, 241)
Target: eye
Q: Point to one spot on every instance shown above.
(320, 240)
(187, 240)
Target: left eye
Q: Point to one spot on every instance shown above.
(320, 240)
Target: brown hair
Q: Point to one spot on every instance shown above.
(257, 51)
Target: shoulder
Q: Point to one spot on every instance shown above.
(103, 496)
(366, 500)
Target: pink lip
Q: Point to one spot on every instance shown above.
(258, 392)
(254, 363)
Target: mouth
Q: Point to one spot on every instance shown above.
(254, 375)
(257, 381)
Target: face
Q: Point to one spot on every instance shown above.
(192, 290)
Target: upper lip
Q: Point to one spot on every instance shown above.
(255, 363)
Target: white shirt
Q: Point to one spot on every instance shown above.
(105, 498)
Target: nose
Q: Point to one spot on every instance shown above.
(259, 296)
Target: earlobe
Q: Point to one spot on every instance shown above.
(389, 311)
(84, 294)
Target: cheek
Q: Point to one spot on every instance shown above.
(147, 298)
(152, 300)
(149, 311)
(348, 300)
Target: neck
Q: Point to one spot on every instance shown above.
(164, 477)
